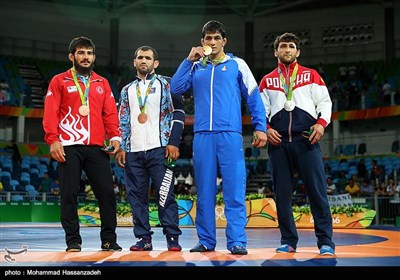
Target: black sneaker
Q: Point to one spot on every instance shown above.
(173, 243)
(73, 248)
(238, 250)
(144, 244)
(200, 248)
(110, 246)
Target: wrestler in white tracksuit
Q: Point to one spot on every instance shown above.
(145, 144)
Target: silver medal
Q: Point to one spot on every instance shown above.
(289, 105)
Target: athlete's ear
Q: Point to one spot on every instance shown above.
(156, 63)
(225, 41)
(297, 53)
(71, 57)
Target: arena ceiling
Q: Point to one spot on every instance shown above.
(245, 8)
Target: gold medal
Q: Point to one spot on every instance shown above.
(142, 118)
(207, 50)
(84, 110)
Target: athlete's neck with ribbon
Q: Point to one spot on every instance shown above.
(142, 118)
(287, 84)
(84, 108)
(214, 60)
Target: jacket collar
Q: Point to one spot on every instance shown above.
(148, 77)
(284, 69)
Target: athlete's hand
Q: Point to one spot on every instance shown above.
(57, 151)
(120, 158)
(273, 136)
(116, 144)
(172, 152)
(195, 54)
(318, 132)
(259, 139)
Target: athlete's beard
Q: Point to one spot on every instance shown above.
(82, 70)
(146, 71)
(286, 61)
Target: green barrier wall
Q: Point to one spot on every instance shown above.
(29, 211)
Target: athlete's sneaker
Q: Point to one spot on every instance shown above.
(173, 243)
(200, 248)
(144, 244)
(110, 246)
(285, 248)
(238, 250)
(74, 247)
(326, 250)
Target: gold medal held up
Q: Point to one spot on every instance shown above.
(142, 118)
(84, 110)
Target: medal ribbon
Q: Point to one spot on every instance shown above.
(213, 61)
(288, 91)
(83, 97)
(142, 104)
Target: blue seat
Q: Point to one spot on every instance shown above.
(25, 167)
(17, 197)
(25, 177)
(5, 177)
(32, 192)
(349, 150)
(7, 166)
(45, 161)
(14, 184)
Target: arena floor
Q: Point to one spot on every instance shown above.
(41, 246)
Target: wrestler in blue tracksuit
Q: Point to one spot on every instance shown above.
(218, 91)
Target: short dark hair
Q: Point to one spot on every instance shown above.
(213, 26)
(81, 42)
(287, 37)
(146, 48)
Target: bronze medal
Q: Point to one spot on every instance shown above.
(142, 118)
(84, 110)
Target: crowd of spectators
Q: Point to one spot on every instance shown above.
(353, 86)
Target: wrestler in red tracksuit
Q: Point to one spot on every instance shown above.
(295, 152)
(82, 137)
